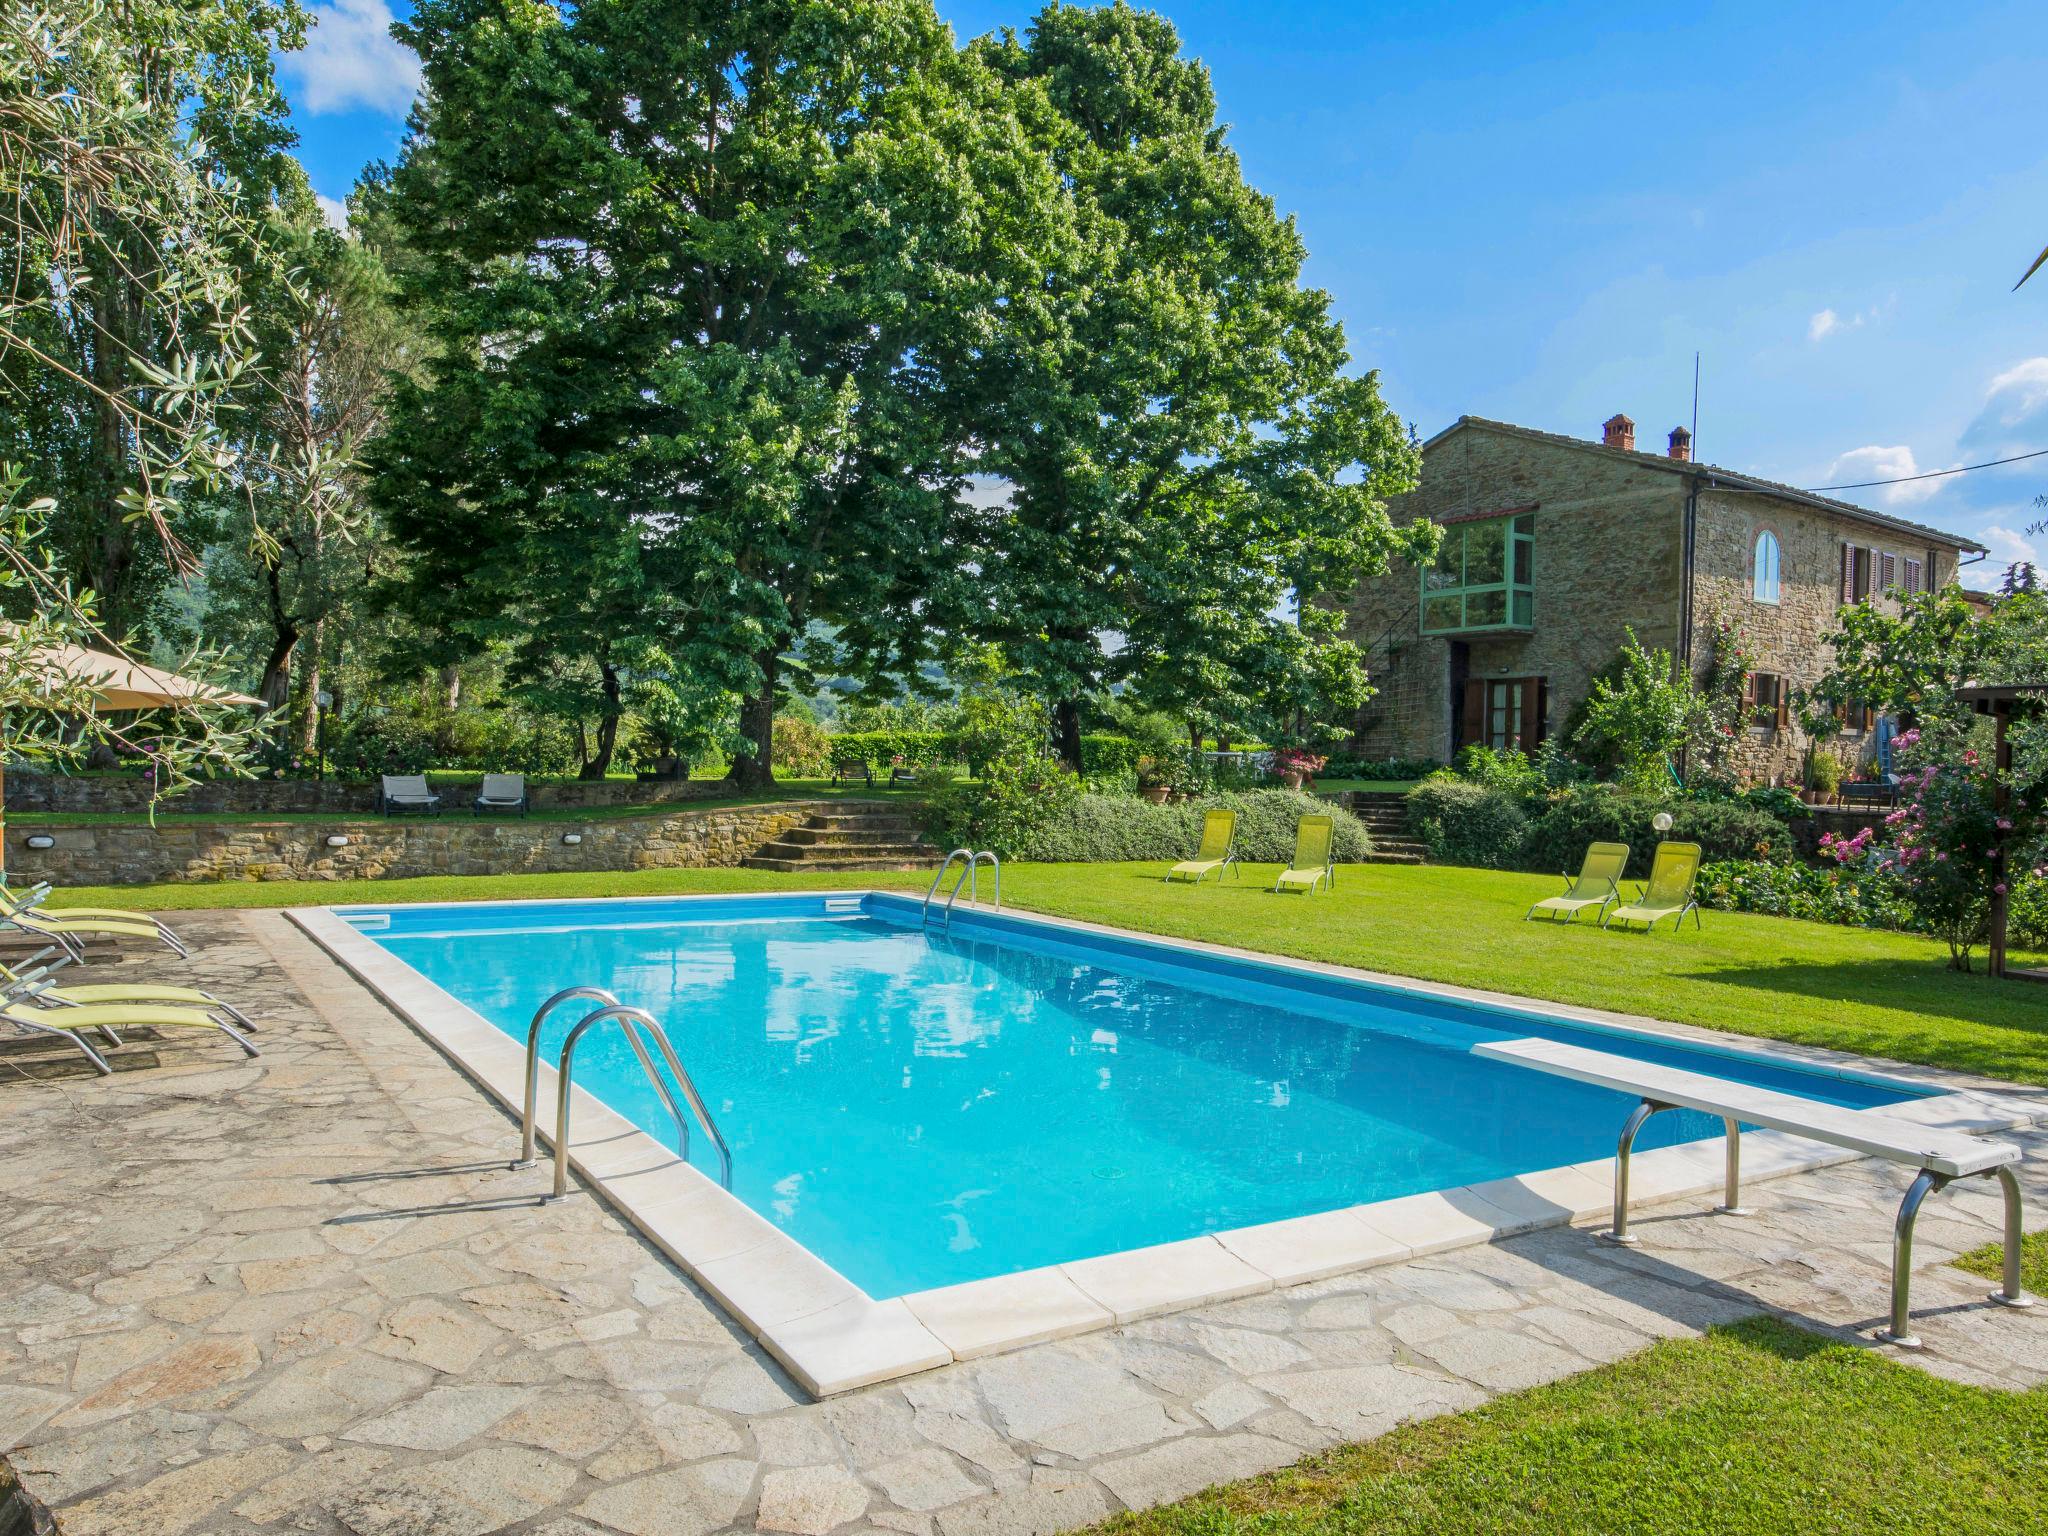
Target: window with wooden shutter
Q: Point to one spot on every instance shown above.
(1915, 578)
(1765, 694)
(1888, 569)
(1848, 574)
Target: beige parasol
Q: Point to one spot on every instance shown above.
(118, 683)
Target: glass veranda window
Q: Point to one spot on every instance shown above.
(1483, 577)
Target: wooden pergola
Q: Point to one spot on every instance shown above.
(2002, 701)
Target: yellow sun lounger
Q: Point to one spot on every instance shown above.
(1218, 850)
(106, 1018)
(70, 935)
(1669, 892)
(27, 908)
(1313, 862)
(36, 982)
(1598, 884)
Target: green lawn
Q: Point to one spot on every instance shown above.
(1873, 993)
(1989, 1261)
(1756, 1428)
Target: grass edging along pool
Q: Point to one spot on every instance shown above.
(951, 1143)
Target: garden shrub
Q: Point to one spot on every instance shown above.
(1343, 767)
(1859, 897)
(802, 749)
(1468, 823)
(2026, 914)
(380, 741)
(1603, 814)
(880, 749)
(1113, 828)
(1109, 756)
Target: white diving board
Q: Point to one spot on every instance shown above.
(1941, 1156)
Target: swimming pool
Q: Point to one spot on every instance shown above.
(921, 1108)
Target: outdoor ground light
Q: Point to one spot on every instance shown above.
(336, 840)
(1661, 821)
(42, 840)
(571, 839)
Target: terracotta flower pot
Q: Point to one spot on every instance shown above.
(1156, 793)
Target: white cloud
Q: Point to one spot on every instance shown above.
(1876, 463)
(351, 60)
(1832, 322)
(2015, 413)
(334, 210)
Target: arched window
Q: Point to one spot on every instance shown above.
(1765, 587)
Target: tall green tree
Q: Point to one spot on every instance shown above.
(299, 532)
(707, 283)
(125, 234)
(1182, 444)
(145, 142)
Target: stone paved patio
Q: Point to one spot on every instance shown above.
(305, 1294)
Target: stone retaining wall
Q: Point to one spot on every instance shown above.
(99, 854)
(281, 797)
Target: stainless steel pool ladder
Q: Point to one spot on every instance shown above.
(970, 865)
(636, 1021)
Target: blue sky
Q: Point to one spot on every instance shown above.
(1539, 213)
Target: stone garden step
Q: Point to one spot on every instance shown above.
(838, 865)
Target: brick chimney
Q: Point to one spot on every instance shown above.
(1619, 432)
(1681, 444)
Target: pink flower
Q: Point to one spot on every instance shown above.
(1999, 888)
(2004, 824)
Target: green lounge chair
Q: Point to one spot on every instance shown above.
(1218, 850)
(1669, 892)
(1599, 883)
(1312, 859)
(35, 978)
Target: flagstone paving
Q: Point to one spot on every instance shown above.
(306, 1294)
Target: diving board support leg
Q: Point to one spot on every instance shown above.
(1731, 1191)
(2010, 1294)
(1619, 1233)
(1901, 1330)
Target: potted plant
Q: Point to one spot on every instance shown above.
(1824, 774)
(1152, 781)
(1297, 766)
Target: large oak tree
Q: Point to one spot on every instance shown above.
(1183, 445)
(710, 284)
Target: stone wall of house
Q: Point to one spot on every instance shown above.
(66, 795)
(1787, 637)
(1608, 548)
(101, 854)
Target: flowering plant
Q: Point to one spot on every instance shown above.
(1943, 842)
(1298, 760)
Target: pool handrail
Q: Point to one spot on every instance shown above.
(634, 1020)
(968, 876)
(567, 994)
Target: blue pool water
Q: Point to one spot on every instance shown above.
(920, 1108)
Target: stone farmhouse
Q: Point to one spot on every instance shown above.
(1554, 545)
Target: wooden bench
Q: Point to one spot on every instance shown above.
(1940, 1156)
(849, 770)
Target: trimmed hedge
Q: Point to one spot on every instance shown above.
(1724, 829)
(1100, 754)
(1116, 828)
(1494, 828)
(878, 748)
(1465, 823)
